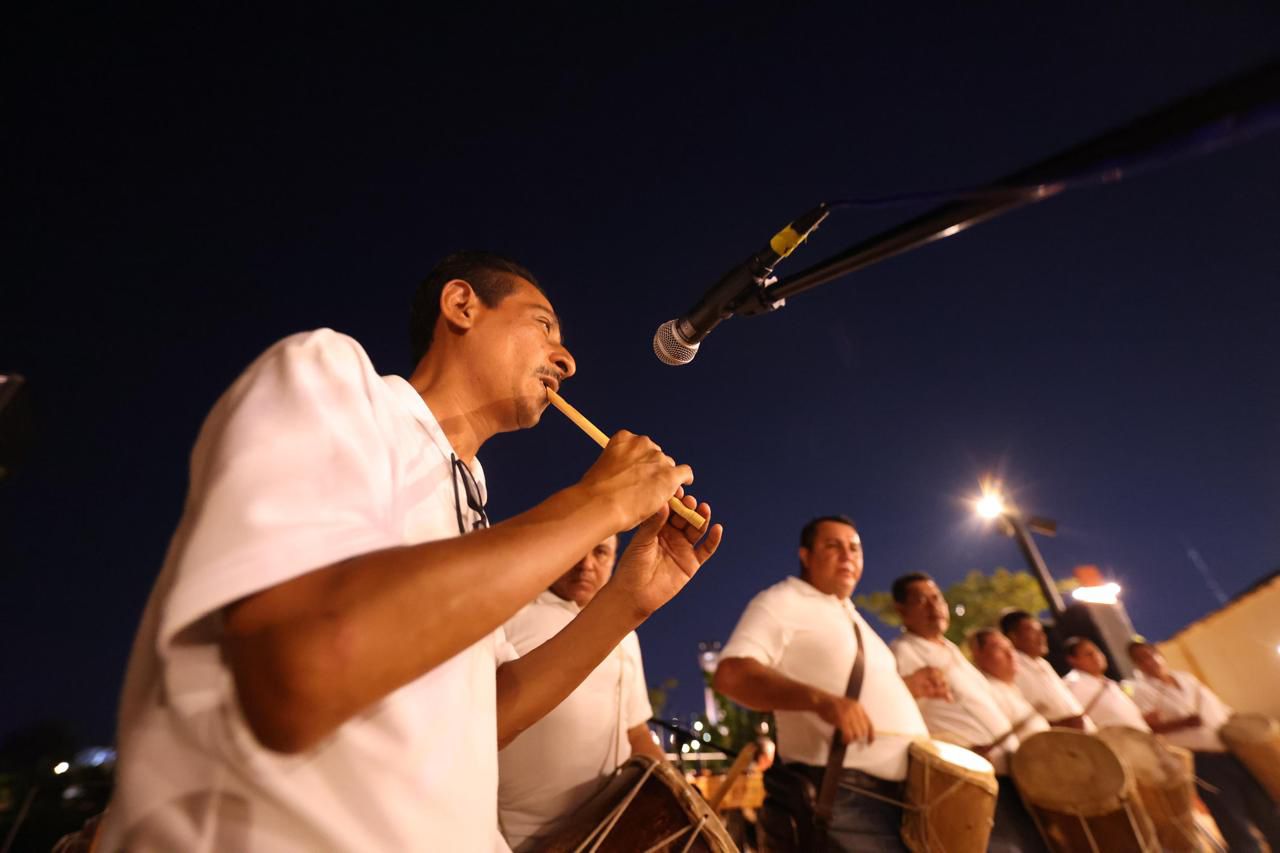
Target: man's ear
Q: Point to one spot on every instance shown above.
(459, 303)
(803, 554)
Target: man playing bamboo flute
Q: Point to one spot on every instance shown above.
(321, 664)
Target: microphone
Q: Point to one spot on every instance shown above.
(738, 291)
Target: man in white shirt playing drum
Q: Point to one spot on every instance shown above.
(993, 654)
(1103, 700)
(1041, 686)
(321, 664)
(792, 653)
(1188, 714)
(967, 714)
(566, 757)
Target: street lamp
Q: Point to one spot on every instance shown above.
(992, 506)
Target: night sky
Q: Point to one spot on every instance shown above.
(182, 188)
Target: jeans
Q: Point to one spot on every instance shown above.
(1014, 830)
(1238, 802)
(860, 823)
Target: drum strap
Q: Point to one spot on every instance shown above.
(835, 759)
(1096, 697)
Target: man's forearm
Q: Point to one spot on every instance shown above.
(754, 685)
(314, 651)
(530, 687)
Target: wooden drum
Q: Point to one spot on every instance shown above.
(647, 806)
(1165, 777)
(1255, 740)
(1080, 795)
(951, 799)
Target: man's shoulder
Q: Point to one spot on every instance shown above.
(784, 592)
(322, 345)
(306, 359)
(534, 624)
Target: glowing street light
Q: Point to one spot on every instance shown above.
(1107, 593)
(991, 506)
(60, 768)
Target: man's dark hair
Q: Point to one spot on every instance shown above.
(979, 636)
(1010, 621)
(1072, 645)
(810, 530)
(1135, 643)
(490, 275)
(902, 584)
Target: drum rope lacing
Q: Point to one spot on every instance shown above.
(601, 832)
(929, 803)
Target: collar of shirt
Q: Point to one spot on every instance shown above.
(800, 586)
(413, 403)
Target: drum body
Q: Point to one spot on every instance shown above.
(951, 796)
(647, 805)
(1080, 794)
(1165, 777)
(1255, 740)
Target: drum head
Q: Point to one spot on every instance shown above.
(1152, 762)
(956, 760)
(1070, 771)
(1249, 728)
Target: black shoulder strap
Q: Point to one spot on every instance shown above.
(835, 759)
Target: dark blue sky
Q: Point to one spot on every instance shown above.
(185, 187)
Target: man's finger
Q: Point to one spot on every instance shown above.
(708, 546)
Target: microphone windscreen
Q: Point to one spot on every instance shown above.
(670, 346)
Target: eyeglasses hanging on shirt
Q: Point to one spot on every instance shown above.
(475, 500)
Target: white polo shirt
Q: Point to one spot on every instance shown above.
(1105, 701)
(563, 759)
(1188, 698)
(974, 718)
(807, 635)
(1016, 707)
(1044, 689)
(308, 459)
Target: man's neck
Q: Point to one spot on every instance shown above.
(450, 395)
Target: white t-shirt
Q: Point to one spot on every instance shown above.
(1016, 707)
(1106, 701)
(807, 635)
(309, 458)
(560, 761)
(974, 718)
(1044, 689)
(1190, 697)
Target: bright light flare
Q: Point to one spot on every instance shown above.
(1107, 593)
(61, 767)
(990, 505)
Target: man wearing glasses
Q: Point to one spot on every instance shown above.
(321, 664)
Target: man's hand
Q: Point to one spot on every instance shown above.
(662, 556)
(849, 718)
(634, 478)
(928, 682)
